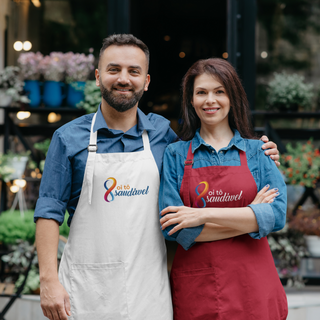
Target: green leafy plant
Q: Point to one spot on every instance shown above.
(5, 169)
(92, 97)
(33, 281)
(18, 261)
(43, 147)
(301, 164)
(14, 227)
(289, 90)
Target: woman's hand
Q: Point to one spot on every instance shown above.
(273, 150)
(265, 195)
(184, 217)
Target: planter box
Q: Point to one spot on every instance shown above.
(25, 308)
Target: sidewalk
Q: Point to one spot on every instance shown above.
(304, 304)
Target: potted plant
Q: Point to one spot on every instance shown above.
(78, 68)
(53, 69)
(286, 92)
(308, 223)
(17, 161)
(288, 248)
(301, 164)
(92, 97)
(17, 262)
(30, 72)
(5, 169)
(11, 87)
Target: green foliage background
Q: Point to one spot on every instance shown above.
(14, 227)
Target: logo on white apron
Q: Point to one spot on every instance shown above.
(109, 196)
(121, 190)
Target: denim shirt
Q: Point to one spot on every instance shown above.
(270, 217)
(65, 164)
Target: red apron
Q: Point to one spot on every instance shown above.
(227, 279)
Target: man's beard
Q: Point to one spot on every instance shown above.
(121, 103)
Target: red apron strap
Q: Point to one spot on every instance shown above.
(186, 177)
(243, 158)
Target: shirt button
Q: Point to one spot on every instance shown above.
(221, 151)
(212, 151)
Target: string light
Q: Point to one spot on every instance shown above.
(14, 189)
(27, 45)
(18, 46)
(21, 115)
(21, 183)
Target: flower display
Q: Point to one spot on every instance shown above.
(301, 164)
(29, 65)
(12, 84)
(306, 222)
(53, 66)
(78, 66)
(288, 247)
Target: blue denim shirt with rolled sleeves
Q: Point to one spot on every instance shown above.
(65, 164)
(270, 217)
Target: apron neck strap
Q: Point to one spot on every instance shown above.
(187, 171)
(92, 147)
(189, 161)
(243, 158)
(145, 140)
(92, 150)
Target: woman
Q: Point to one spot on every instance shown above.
(208, 196)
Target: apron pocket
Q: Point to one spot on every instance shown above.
(98, 291)
(194, 294)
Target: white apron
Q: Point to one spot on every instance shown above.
(114, 264)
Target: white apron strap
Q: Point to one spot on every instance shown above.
(145, 139)
(92, 150)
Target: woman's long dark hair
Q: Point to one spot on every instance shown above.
(239, 114)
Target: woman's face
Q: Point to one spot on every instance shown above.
(210, 101)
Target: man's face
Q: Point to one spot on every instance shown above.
(122, 76)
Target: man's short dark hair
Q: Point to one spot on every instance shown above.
(124, 40)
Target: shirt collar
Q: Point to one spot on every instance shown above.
(236, 141)
(136, 131)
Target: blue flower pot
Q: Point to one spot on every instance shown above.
(32, 88)
(52, 93)
(75, 93)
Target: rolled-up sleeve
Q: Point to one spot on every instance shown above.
(169, 196)
(270, 217)
(56, 182)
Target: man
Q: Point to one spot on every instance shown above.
(104, 169)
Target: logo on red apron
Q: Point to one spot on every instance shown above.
(221, 196)
(213, 195)
(121, 190)
(200, 195)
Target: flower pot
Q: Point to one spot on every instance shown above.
(32, 87)
(313, 245)
(52, 93)
(5, 99)
(75, 93)
(19, 165)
